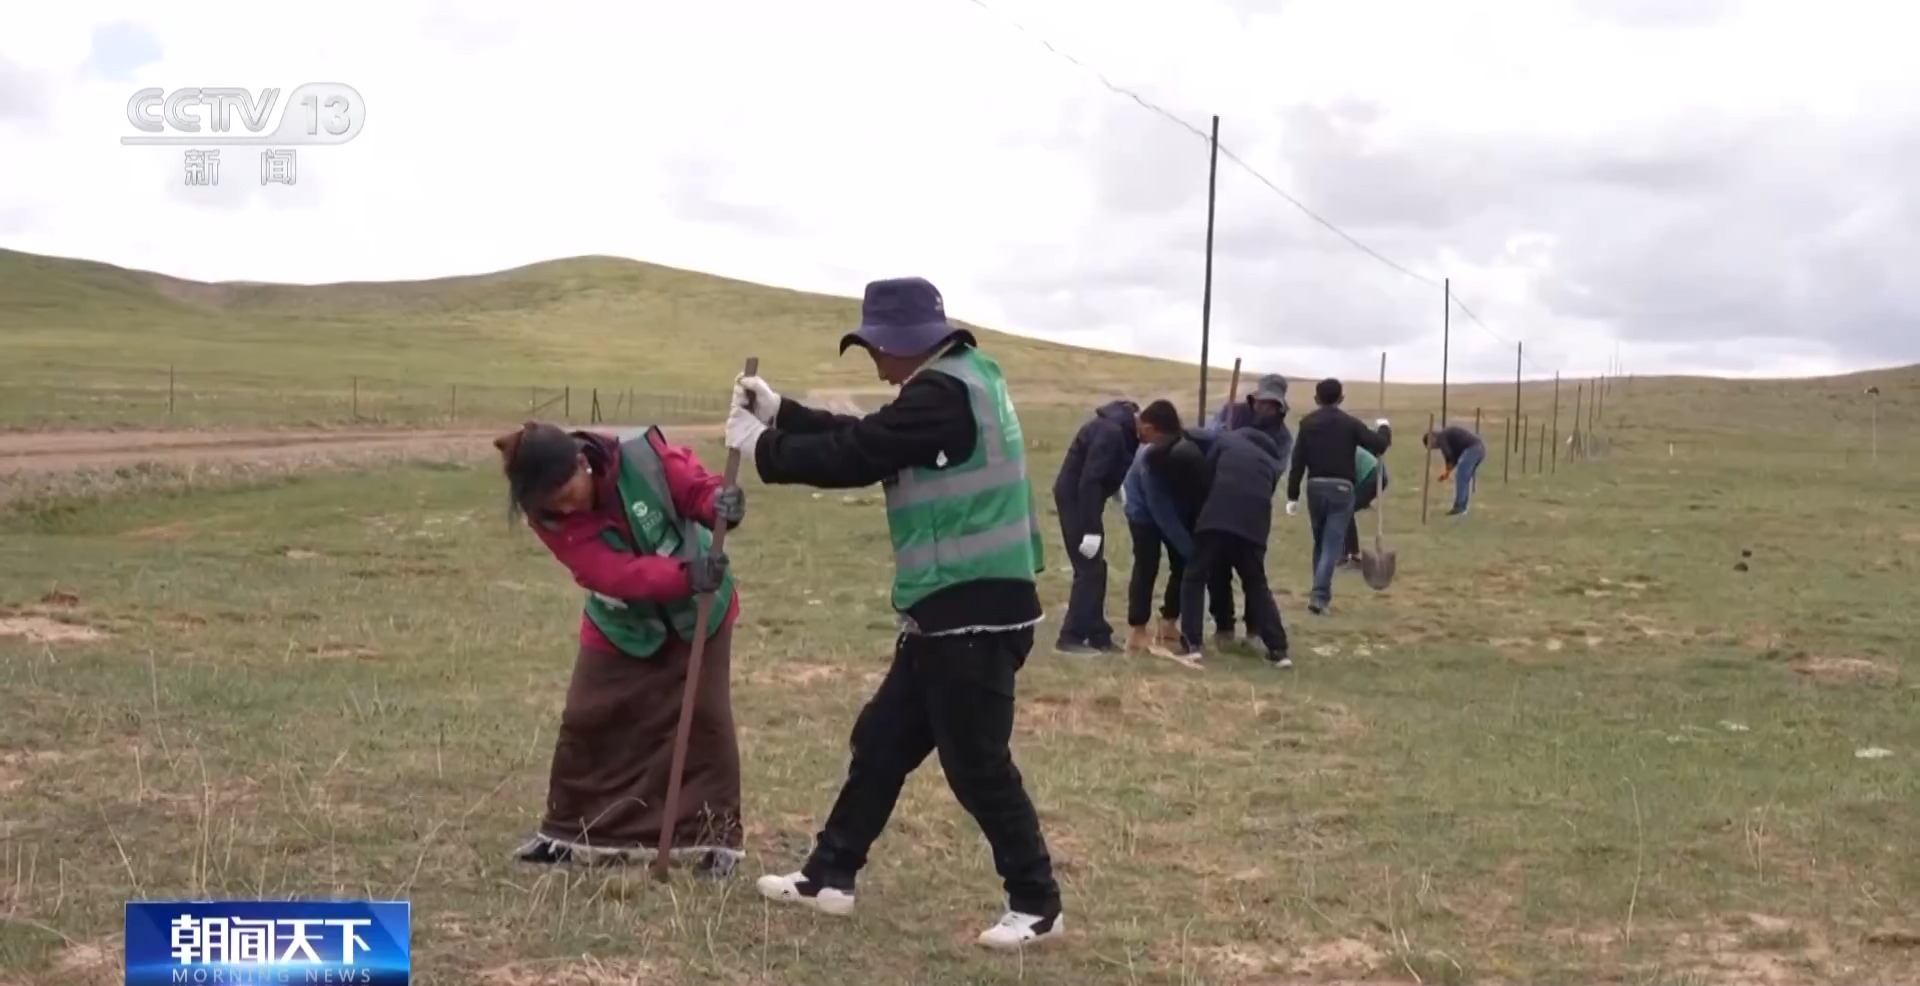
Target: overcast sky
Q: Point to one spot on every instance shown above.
(1718, 186)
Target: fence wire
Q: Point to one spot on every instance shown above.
(181, 398)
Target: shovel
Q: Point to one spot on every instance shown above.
(683, 732)
(1377, 566)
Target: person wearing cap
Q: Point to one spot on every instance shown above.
(1327, 455)
(1091, 473)
(950, 455)
(1269, 394)
(1462, 451)
(1269, 389)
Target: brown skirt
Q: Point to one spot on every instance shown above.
(608, 787)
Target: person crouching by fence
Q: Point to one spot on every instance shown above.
(632, 520)
(1462, 451)
(1244, 468)
(1155, 527)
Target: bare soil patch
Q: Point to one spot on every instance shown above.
(583, 971)
(67, 451)
(88, 965)
(1844, 670)
(1747, 950)
(42, 630)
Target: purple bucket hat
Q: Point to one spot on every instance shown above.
(902, 316)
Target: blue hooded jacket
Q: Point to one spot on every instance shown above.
(1147, 501)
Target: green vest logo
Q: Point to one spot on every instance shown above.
(649, 524)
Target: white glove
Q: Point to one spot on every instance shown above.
(1379, 422)
(743, 433)
(1123, 496)
(764, 402)
(1090, 546)
(1293, 507)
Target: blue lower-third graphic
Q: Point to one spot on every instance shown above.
(246, 942)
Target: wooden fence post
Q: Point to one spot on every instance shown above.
(1426, 471)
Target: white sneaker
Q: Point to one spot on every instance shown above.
(1016, 931)
(795, 888)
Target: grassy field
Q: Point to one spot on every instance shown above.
(1624, 723)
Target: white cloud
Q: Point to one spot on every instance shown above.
(1566, 162)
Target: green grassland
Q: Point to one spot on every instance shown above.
(90, 345)
(1617, 725)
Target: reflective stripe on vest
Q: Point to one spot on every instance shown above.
(935, 550)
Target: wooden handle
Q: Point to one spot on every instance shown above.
(703, 611)
(752, 369)
(1380, 465)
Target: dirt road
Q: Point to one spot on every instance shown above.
(53, 452)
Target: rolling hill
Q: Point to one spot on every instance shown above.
(91, 343)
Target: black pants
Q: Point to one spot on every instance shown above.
(1217, 552)
(1147, 545)
(1220, 597)
(1363, 496)
(1086, 619)
(952, 696)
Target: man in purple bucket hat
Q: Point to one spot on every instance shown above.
(949, 454)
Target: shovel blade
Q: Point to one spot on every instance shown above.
(1378, 566)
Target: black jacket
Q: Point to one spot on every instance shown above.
(1327, 446)
(1246, 466)
(1453, 442)
(931, 414)
(1095, 465)
(1180, 466)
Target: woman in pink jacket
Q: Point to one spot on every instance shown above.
(631, 518)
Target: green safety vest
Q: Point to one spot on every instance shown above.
(637, 627)
(971, 520)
